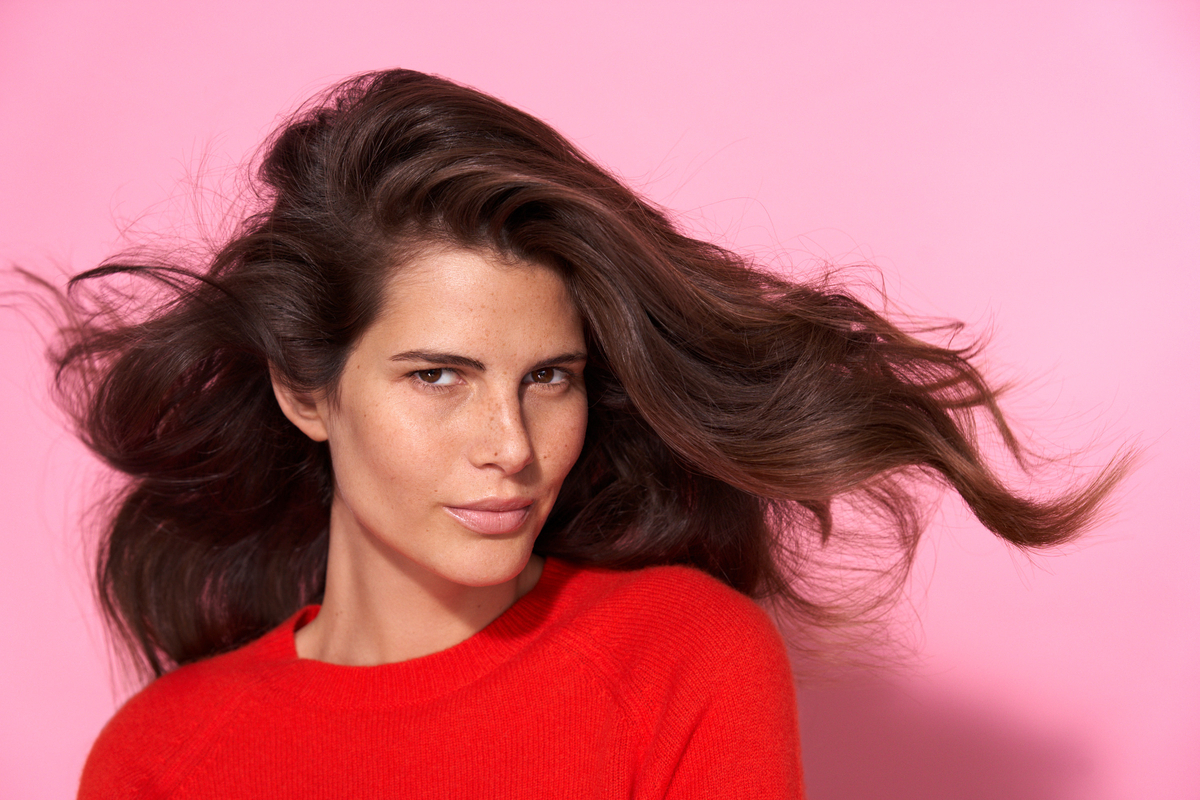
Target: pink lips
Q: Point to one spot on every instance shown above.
(492, 516)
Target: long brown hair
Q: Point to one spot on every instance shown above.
(729, 407)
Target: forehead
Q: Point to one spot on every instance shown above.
(464, 269)
(458, 294)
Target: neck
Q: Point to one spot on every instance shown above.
(383, 610)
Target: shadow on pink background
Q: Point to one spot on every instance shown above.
(1033, 166)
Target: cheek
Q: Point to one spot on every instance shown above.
(560, 438)
(374, 449)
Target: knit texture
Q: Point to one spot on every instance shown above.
(661, 683)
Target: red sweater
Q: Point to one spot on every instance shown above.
(596, 684)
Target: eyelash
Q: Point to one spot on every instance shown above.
(562, 377)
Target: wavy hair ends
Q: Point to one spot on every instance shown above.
(729, 407)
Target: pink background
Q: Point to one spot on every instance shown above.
(1032, 165)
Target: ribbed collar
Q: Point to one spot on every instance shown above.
(292, 679)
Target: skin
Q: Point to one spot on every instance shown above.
(456, 419)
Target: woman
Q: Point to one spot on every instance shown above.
(454, 471)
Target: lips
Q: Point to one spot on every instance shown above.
(492, 517)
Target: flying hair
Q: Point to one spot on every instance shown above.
(730, 408)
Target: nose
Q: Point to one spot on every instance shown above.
(502, 437)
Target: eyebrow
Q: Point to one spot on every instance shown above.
(452, 360)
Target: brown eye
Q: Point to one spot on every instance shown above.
(549, 376)
(430, 375)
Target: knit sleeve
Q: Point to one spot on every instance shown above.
(715, 692)
(743, 740)
(158, 733)
(134, 748)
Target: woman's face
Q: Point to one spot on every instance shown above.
(458, 416)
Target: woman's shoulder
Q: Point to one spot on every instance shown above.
(155, 728)
(674, 614)
(699, 669)
(672, 595)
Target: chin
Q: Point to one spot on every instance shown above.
(499, 566)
